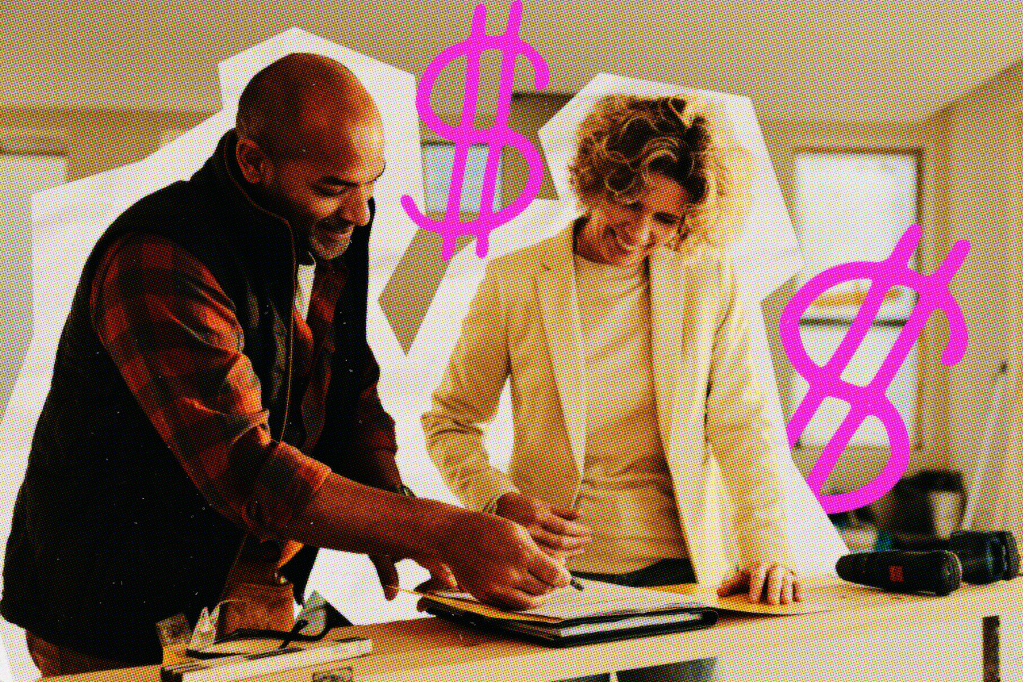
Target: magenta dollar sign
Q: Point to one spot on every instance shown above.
(870, 400)
(464, 135)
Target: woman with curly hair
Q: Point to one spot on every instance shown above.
(633, 390)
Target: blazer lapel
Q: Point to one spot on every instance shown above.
(667, 296)
(559, 307)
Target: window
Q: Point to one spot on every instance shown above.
(438, 162)
(27, 166)
(854, 206)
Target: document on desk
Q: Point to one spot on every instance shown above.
(600, 611)
(815, 599)
(596, 599)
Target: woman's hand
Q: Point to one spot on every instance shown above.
(766, 582)
(553, 529)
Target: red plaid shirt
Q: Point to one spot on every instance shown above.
(172, 333)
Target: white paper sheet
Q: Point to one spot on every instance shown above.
(596, 599)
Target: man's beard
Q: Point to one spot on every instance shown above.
(326, 241)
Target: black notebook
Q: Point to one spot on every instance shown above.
(599, 612)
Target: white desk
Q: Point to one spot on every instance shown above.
(432, 650)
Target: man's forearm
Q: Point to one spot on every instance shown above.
(492, 558)
(349, 516)
(375, 468)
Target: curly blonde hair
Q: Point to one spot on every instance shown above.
(624, 139)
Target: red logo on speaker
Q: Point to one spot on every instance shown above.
(895, 574)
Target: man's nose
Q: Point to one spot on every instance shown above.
(356, 207)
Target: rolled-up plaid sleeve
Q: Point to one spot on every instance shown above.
(174, 335)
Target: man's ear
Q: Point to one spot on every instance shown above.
(253, 162)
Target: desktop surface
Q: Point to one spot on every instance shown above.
(431, 649)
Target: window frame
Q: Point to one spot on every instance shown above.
(921, 257)
(464, 216)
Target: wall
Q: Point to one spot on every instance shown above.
(981, 202)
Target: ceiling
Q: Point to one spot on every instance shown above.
(850, 61)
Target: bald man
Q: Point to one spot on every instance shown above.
(213, 417)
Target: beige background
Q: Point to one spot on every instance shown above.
(109, 79)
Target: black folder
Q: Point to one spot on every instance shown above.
(600, 627)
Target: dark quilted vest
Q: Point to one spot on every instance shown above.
(109, 535)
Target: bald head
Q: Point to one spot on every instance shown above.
(300, 102)
(311, 147)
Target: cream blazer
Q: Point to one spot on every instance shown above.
(523, 326)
